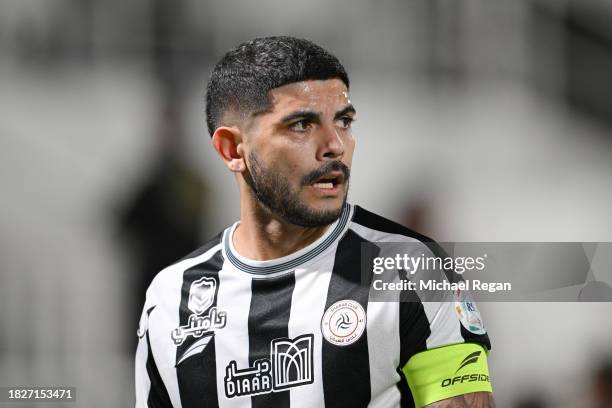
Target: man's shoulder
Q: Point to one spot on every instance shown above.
(376, 228)
(207, 253)
(209, 245)
(372, 221)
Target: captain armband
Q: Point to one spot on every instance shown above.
(446, 372)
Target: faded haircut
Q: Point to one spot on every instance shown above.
(242, 79)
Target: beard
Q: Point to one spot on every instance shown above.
(274, 192)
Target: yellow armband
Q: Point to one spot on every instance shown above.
(446, 372)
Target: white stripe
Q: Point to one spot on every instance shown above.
(380, 236)
(384, 352)
(307, 308)
(165, 293)
(443, 323)
(143, 383)
(232, 342)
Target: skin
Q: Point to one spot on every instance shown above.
(308, 126)
(292, 145)
(473, 400)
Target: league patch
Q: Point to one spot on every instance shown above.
(470, 317)
(343, 323)
(290, 365)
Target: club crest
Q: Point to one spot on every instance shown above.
(202, 295)
(343, 323)
(205, 318)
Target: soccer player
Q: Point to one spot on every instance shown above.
(273, 312)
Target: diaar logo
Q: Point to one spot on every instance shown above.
(290, 365)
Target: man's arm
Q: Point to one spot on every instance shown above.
(472, 400)
(151, 391)
(451, 376)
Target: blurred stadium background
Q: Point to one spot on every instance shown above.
(478, 121)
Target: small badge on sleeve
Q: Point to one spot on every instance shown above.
(470, 317)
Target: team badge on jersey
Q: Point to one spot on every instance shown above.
(343, 323)
(290, 365)
(470, 317)
(201, 297)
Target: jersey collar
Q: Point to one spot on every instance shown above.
(289, 262)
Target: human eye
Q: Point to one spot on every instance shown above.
(345, 122)
(301, 125)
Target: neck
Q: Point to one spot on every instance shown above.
(261, 236)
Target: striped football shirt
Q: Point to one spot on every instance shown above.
(220, 330)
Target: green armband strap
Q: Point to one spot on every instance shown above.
(446, 372)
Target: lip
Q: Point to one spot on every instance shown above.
(338, 177)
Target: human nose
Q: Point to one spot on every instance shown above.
(331, 145)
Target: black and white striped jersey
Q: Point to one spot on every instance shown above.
(219, 330)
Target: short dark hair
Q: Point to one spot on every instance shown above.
(245, 75)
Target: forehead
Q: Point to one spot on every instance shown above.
(312, 95)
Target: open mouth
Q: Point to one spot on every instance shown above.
(329, 181)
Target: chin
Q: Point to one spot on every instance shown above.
(328, 205)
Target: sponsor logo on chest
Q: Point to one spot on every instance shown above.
(201, 297)
(290, 365)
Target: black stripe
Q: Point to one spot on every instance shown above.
(158, 394)
(197, 375)
(469, 337)
(413, 331)
(204, 248)
(413, 325)
(268, 320)
(346, 370)
(376, 222)
(406, 400)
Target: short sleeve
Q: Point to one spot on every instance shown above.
(443, 340)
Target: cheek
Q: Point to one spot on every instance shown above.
(288, 164)
(349, 148)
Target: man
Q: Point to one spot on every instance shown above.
(273, 312)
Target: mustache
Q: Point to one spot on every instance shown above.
(326, 168)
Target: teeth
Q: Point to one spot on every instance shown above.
(324, 185)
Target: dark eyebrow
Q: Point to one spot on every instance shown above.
(304, 114)
(341, 113)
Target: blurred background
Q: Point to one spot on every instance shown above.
(479, 120)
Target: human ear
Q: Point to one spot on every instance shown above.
(227, 141)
